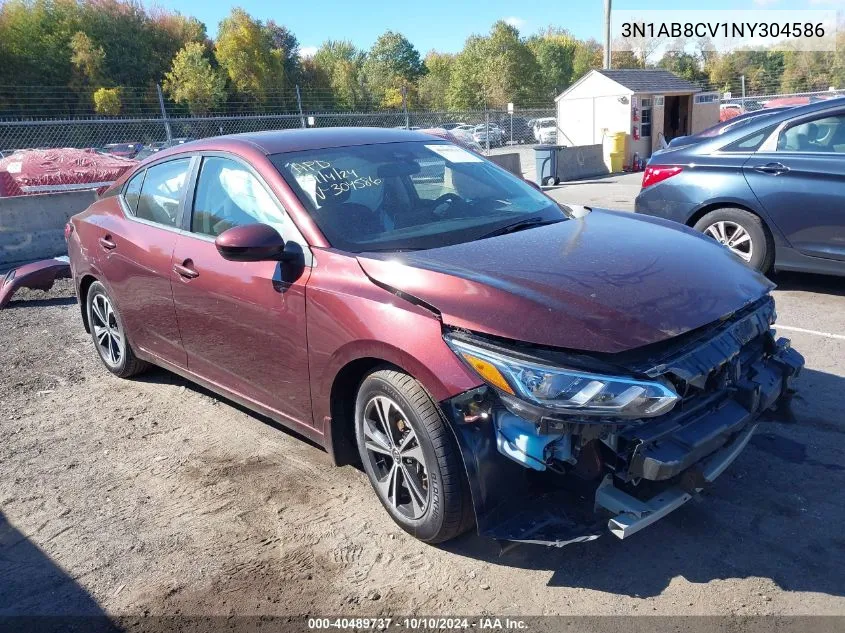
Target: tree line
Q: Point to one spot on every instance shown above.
(108, 57)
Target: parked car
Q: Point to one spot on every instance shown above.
(123, 150)
(547, 134)
(543, 122)
(728, 111)
(483, 131)
(472, 344)
(771, 189)
(452, 125)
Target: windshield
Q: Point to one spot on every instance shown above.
(408, 196)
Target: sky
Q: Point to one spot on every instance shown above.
(444, 25)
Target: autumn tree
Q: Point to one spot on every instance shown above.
(193, 81)
(107, 101)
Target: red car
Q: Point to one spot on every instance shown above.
(488, 355)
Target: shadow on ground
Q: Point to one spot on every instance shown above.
(808, 282)
(38, 595)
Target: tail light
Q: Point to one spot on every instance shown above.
(68, 231)
(659, 173)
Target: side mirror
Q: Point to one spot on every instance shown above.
(251, 243)
(533, 184)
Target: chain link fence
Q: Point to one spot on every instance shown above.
(100, 133)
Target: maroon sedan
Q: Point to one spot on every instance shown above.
(488, 355)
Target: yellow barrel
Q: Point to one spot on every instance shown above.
(617, 160)
(617, 142)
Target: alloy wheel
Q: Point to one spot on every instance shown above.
(396, 457)
(107, 331)
(733, 236)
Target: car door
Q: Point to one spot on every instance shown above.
(243, 323)
(798, 175)
(135, 256)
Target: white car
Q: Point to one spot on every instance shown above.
(547, 133)
(545, 122)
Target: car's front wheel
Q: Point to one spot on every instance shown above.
(743, 233)
(109, 334)
(411, 457)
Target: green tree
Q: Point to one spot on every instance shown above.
(494, 70)
(245, 51)
(193, 81)
(554, 51)
(588, 56)
(87, 57)
(336, 76)
(107, 101)
(434, 84)
(391, 66)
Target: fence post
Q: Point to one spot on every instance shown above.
(486, 128)
(164, 118)
(299, 105)
(405, 106)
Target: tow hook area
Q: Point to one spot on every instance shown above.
(632, 514)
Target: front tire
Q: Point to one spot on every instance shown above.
(741, 232)
(109, 334)
(411, 457)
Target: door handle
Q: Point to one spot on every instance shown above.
(772, 168)
(184, 271)
(106, 243)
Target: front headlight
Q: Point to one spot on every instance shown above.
(566, 390)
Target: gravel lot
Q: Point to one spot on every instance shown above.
(154, 496)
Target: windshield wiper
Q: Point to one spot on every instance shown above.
(519, 226)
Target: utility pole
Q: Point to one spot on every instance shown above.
(167, 129)
(607, 4)
(742, 77)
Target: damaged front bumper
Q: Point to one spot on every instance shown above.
(557, 480)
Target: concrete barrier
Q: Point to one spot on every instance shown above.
(508, 161)
(582, 161)
(32, 227)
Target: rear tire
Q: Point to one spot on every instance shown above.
(416, 471)
(109, 334)
(743, 233)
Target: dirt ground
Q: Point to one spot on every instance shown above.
(152, 496)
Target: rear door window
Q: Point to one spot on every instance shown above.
(132, 192)
(162, 191)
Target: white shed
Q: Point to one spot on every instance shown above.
(645, 104)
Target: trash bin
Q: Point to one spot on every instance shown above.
(545, 160)
(617, 142)
(617, 161)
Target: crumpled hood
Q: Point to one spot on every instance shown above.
(607, 282)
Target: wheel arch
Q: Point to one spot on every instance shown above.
(341, 391)
(82, 294)
(724, 204)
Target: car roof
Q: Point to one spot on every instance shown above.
(280, 141)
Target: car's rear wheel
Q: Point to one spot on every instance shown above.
(743, 233)
(411, 457)
(109, 334)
